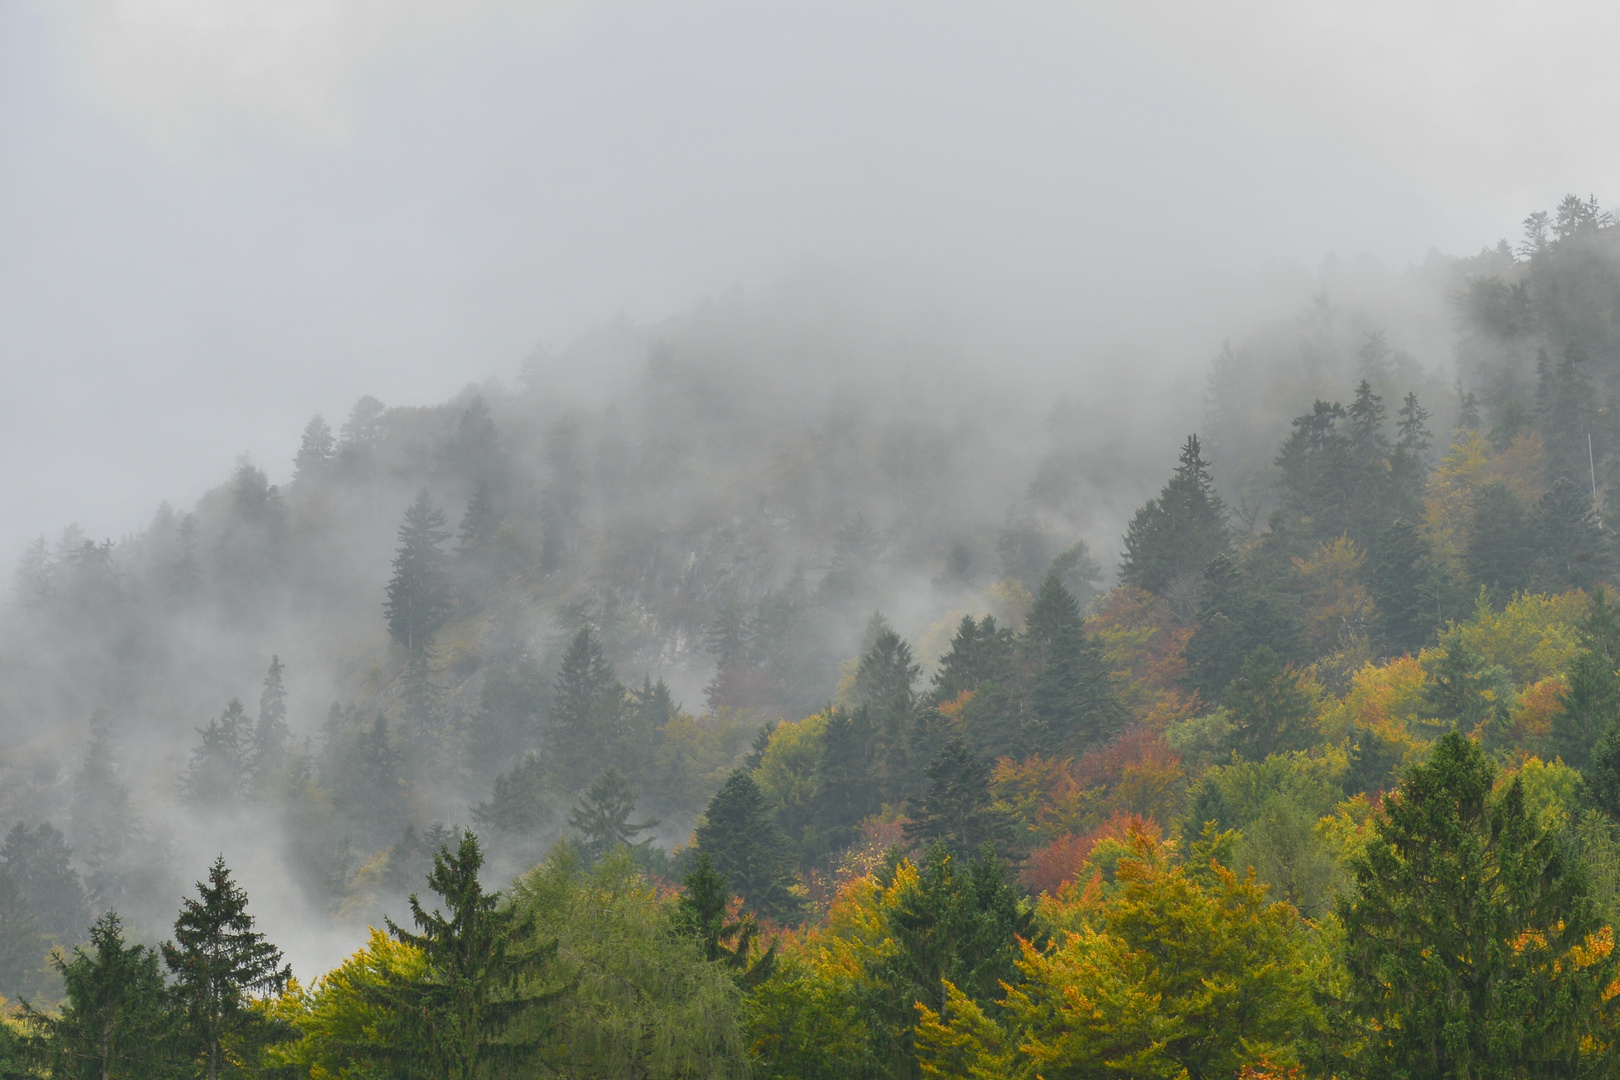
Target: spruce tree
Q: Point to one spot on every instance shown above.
(1592, 701)
(270, 734)
(1460, 910)
(957, 811)
(40, 862)
(847, 791)
(1575, 552)
(316, 453)
(219, 964)
(1269, 712)
(602, 815)
(1176, 535)
(740, 835)
(456, 1022)
(587, 708)
(418, 593)
(981, 652)
(521, 801)
(1503, 544)
(1398, 571)
(1071, 704)
(23, 944)
(114, 1020)
(218, 770)
(704, 912)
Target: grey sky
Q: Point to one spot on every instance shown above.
(218, 219)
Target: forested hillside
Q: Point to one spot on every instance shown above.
(750, 716)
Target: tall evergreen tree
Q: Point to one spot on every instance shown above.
(418, 593)
(316, 453)
(587, 709)
(1592, 701)
(1501, 549)
(521, 800)
(1071, 704)
(740, 835)
(1176, 535)
(219, 964)
(456, 1023)
(23, 944)
(981, 652)
(1399, 574)
(270, 734)
(846, 789)
(1460, 911)
(40, 862)
(957, 811)
(114, 1020)
(218, 770)
(1575, 553)
(704, 912)
(602, 815)
(1269, 712)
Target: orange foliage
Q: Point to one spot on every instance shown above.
(1533, 714)
(1135, 773)
(1064, 859)
(1144, 647)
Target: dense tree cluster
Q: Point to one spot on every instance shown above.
(1328, 784)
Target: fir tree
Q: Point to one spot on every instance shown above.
(40, 863)
(218, 770)
(1500, 550)
(1399, 573)
(1592, 701)
(114, 1021)
(1575, 552)
(476, 533)
(1269, 712)
(456, 1023)
(981, 652)
(418, 594)
(1459, 907)
(956, 810)
(1412, 429)
(846, 789)
(101, 818)
(270, 734)
(741, 837)
(704, 912)
(602, 816)
(316, 452)
(23, 943)
(587, 708)
(219, 964)
(1176, 535)
(1071, 703)
(521, 801)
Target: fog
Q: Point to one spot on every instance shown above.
(751, 278)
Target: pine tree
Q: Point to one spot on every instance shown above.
(218, 770)
(219, 963)
(602, 815)
(1456, 930)
(1398, 570)
(740, 835)
(704, 912)
(956, 810)
(418, 593)
(981, 652)
(1176, 535)
(1592, 701)
(23, 943)
(587, 708)
(846, 788)
(316, 453)
(1575, 551)
(1412, 430)
(476, 533)
(1071, 704)
(1269, 712)
(113, 1021)
(521, 800)
(1500, 551)
(482, 962)
(270, 734)
(40, 863)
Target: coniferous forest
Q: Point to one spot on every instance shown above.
(727, 727)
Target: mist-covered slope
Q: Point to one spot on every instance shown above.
(723, 501)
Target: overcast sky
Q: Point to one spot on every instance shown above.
(218, 217)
